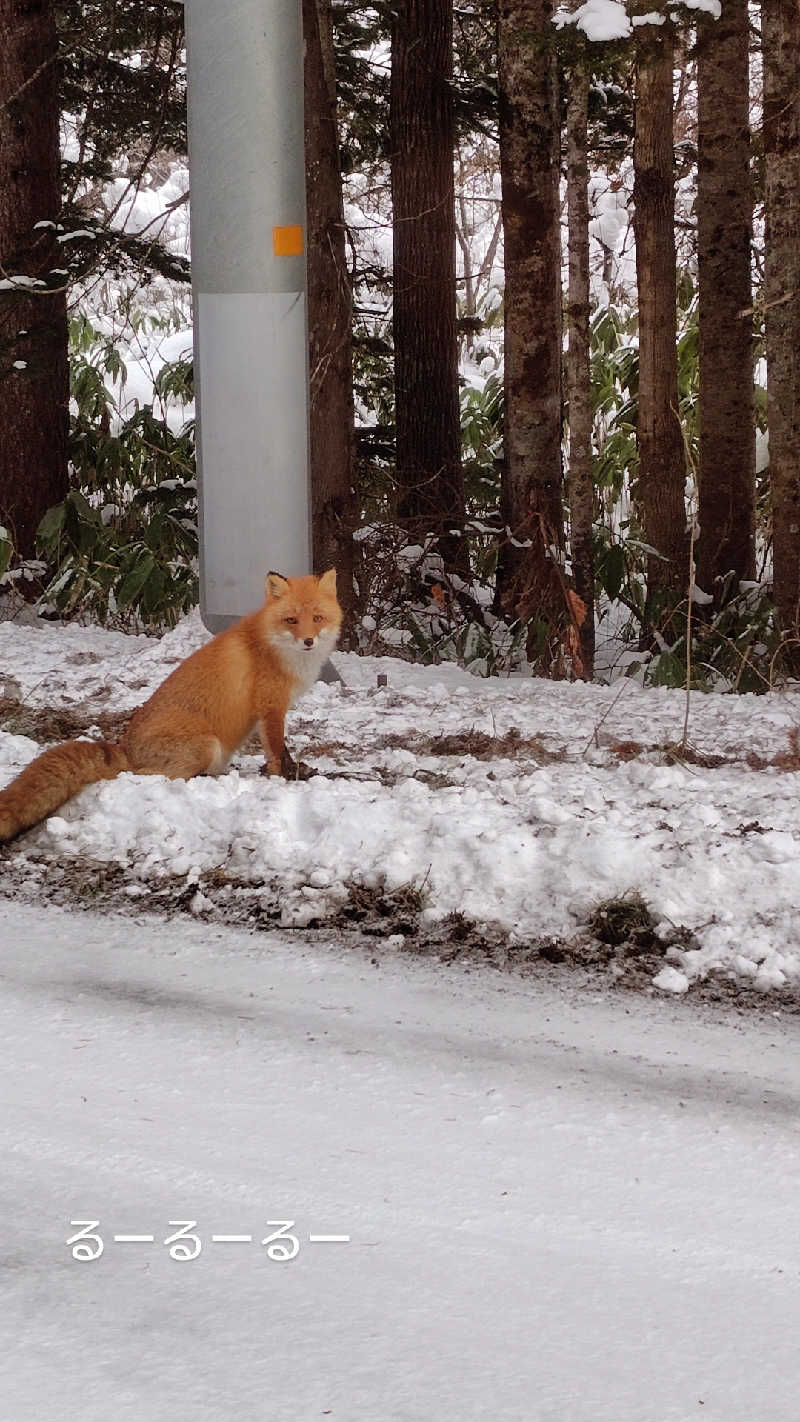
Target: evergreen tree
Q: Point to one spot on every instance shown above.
(579, 393)
(724, 225)
(529, 580)
(123, 90)
(429, 473)
(780, 21)
(34, 389)
(661, 453)
(330, 303)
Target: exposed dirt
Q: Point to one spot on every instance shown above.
(616, 948)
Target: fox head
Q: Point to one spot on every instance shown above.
(303, 613)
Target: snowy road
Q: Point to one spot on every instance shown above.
(561, 1209)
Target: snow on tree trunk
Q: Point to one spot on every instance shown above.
(781, 49)
(429, 473)
(579, 394)
(661, 455)
(34, 383)
(724, 228)
(330, 303)
(529, 580)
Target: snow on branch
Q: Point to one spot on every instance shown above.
(603, 20)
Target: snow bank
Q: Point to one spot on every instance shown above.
(569, 808)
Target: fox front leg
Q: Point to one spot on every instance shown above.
(277, 757)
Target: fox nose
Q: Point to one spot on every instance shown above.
(309, 641)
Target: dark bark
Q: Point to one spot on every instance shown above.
(579, 393)
(781, 46)
(529, 580)
(330, 304)
(34, 382)
(429, 473)
(724, 229)
(661, 456)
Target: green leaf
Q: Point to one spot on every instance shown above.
(612, 573)
(135, 580)
(668, 669)
(51, 524)
(86, 513)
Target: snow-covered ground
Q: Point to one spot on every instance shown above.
(545, 801)
(559, 1209)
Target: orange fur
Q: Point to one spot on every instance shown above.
(247, 676)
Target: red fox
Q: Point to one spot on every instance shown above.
(249, 675)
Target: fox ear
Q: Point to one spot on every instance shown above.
(275, 585)
(327, 582)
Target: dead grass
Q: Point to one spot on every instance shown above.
(674, 753)
(379, 913)
(47, 724)
(623, 920)
(50, 724)
(478, 744)
(788, 759)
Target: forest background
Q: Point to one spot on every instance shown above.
(554, 307)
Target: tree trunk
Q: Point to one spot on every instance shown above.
(724, 229)
(529, 580)
(579, 392)
(428, 422)
(34, 379)
(781, 46)
(330, 309)
(661, 456)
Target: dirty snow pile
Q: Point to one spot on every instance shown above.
(520, 803)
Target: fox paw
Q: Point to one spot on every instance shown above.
(290, 769)
(301, 771)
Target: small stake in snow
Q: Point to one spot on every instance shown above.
(693, 531)
(383, 679)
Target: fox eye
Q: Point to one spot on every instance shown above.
(317, 617)
(292, 621)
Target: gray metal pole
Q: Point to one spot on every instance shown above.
(247, 173)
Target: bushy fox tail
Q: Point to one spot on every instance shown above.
(54, 777)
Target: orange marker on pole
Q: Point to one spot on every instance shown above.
(288, 241)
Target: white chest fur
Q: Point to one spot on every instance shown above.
(302, 663)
